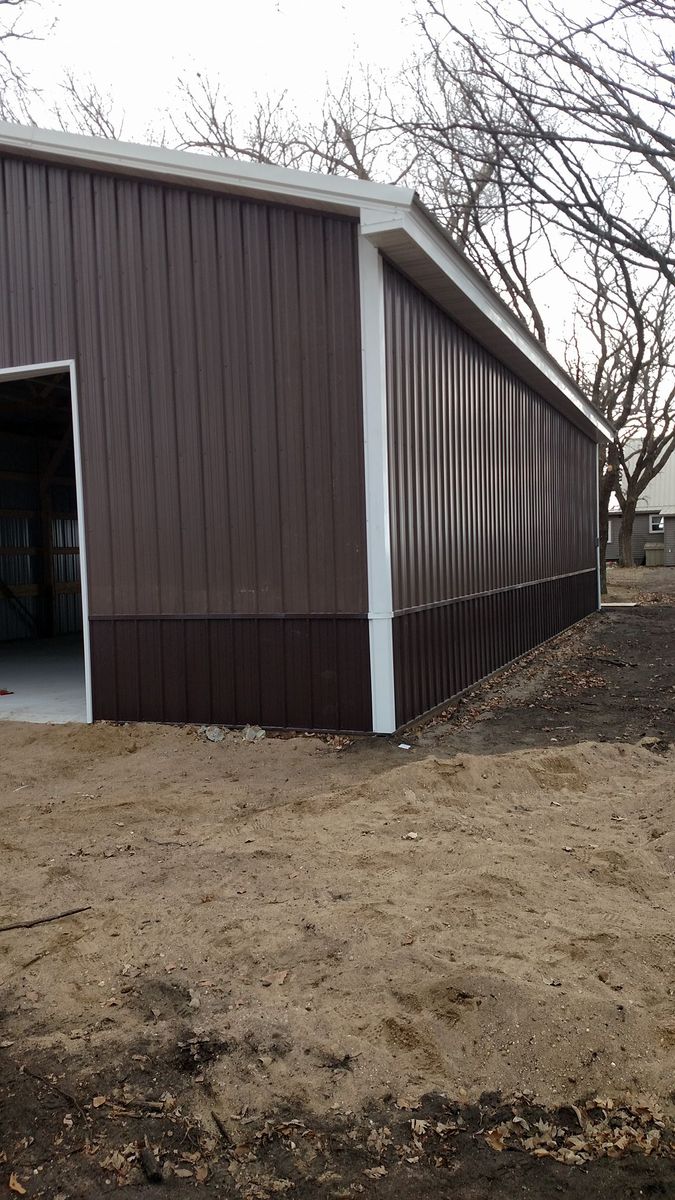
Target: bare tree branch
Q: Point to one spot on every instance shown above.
(16, 89)
(85, 109)
(349, 136)
(592, 99)
(467, 180)
(622, 354)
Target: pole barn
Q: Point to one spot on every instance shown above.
(271, 451)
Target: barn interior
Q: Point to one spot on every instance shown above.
(41, 642)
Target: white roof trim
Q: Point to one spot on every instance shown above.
(182, 166)
(391, 218)
(460, 290)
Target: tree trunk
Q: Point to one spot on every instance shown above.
(626, 533)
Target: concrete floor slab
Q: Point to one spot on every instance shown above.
(45, 678)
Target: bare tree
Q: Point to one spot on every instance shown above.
(466, 179)
(654, 441)
(15, 87)
(592, 98)
(622, 354)
(421, 139)
(349, 136)
(84, 108)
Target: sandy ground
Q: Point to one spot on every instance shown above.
(462, 923)
(300, 925)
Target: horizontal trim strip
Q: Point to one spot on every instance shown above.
(512, 587)
(315, 616)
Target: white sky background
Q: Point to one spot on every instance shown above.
(137, 50)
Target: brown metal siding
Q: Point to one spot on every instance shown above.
(200, 669)
(441, 650)
(492, 492)
(217, 348)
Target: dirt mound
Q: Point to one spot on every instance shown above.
(450, 923)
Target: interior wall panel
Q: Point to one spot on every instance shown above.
(38, 591)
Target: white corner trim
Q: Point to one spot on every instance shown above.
(597, 525)
(34, 371)
(376, 465)
(82, 538)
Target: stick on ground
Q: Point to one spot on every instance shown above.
(70, 912)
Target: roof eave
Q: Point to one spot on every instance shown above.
(391, 217)
(415, 244)
(304, 188)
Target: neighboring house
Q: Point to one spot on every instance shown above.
(654, 519)
(325, 478)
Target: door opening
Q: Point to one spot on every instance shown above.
(44, 672)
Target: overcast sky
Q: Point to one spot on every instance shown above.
(138, 48)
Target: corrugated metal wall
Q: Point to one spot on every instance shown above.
(66, 568)
(18, 500)
(218, 357)
(492, 493)
(285, 672)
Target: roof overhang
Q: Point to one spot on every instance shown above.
(392, 218)
(309, 189)
(414, 243)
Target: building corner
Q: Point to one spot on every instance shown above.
(376, 468)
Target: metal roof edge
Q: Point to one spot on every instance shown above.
(383, 209)
(422, 230)
(183, 166)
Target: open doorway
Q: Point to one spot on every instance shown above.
(43, 654)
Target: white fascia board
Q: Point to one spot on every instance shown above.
(186, 167)
(421, 231)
